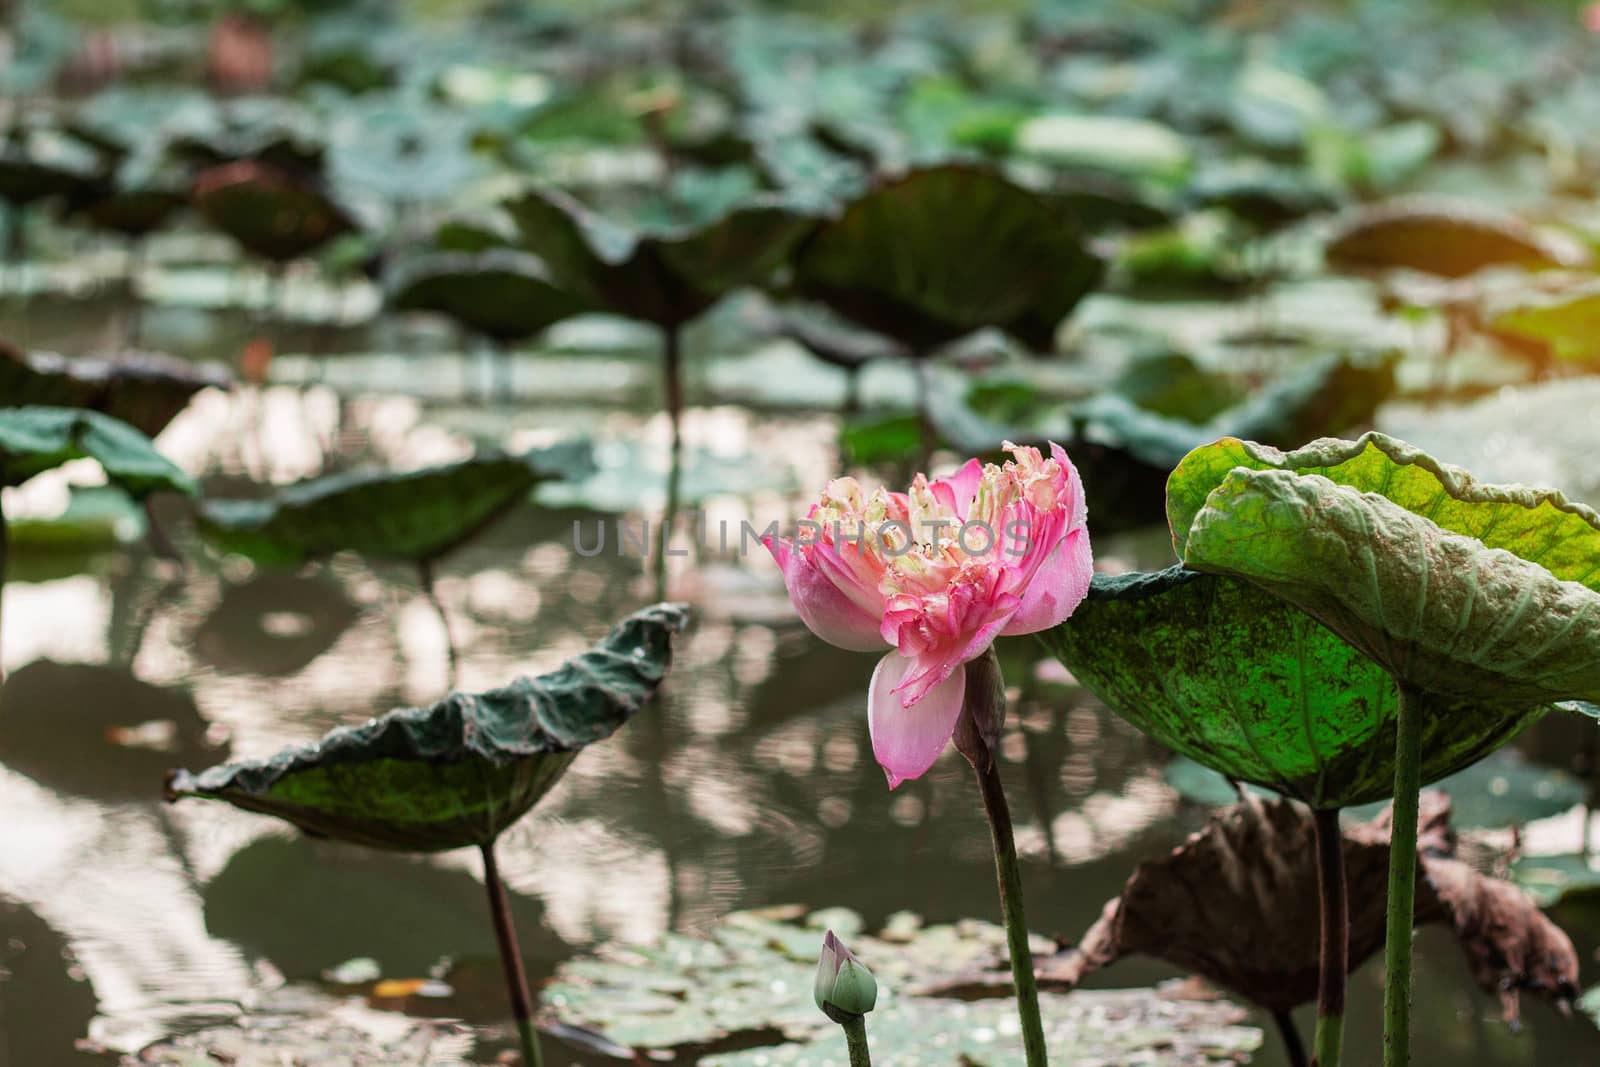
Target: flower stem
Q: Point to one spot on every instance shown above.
(1402, 882)
(1293, 1047)
(855, 1035)
(672, 388)
(1010, 875)
(5, 554)
(1333, 894)
(511, 959)
(425, 579)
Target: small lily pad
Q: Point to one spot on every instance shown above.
(271, 212)
(37, 439)
(502, 293)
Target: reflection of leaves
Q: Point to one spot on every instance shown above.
(1237, 904)
(457, 773)
(410, 516)
(748, 981)
(38, 987)
(77, 727)
(274, 623)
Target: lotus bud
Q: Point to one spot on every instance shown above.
(983, 712)
(845, 990)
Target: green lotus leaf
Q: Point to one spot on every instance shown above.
(505, 294)
(146, 390)
(36, 439)
(1540, 525)
(460, 772)
(944, 251)
(268, 211)
(1568, 322)
(1445, 238)
(1251, 686)
(664, 275)
(412, 516)
(1134, 147)
(1437, 609)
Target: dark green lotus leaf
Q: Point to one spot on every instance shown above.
(460, 772)
(1267, 198)
(269, 211)
(37, 439)
(39, 162)
(505, 294)
(661, 275)
(1444, 238)
(144, 389)
(411, 516)
(1439, 610)
(1249, 685)
(941, 252)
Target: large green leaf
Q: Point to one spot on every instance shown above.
(1568, 322)
(1249, 685)
(1539, 525)
(664, 275)
(411, 516)
(947, 250)
(37, 439)
(506, 294)
(457, 773)
(1439, 610)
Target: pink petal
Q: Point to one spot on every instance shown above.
(956, 491)
(908, 740)
(1057, 587)
(1078, 509)
(821, 604)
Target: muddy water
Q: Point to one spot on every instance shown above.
(750, 783)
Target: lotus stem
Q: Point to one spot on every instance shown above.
(1293, 1048)
(425, 578)
(511, 959)
(1335, 954)
(672, 381)
(159, 542)
(855, 1035)
(1010, 877)
(1402, 881)
(5, 558)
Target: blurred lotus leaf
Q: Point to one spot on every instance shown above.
(144, 389)
(462, 771)
(1136, 148)
(1447, 238)
(410, 516)
(941, 252)
(659, 274)
(1567, 322)
(502, 293)
(269, 211)
(37, 439)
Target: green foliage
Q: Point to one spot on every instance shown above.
(460, 772)
(37, 439)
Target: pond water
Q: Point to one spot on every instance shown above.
(749, 783)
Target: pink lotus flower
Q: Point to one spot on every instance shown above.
(935, 574)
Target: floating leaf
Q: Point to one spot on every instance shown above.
(1244, 683)
(1446, 238)
(457, 773)
(1237, 904)
(37, 439)
(1567, 322)
(1134, 147)
(145, 390)
(269, 211)
(505, 294)
(941, 252)
(409, 516)
(748, 980)
(664, 275)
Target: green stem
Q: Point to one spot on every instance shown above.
(425, 578)
(855, 1035)
(1335, 955)
(5, 558)
(672, 374)
(1402, 882)
(1010, 875)
(511, 959)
